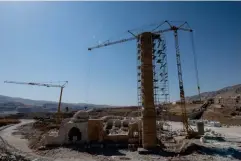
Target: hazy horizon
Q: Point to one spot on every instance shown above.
(48, 41)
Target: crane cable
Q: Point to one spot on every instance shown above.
(87, 82)
(195, 64)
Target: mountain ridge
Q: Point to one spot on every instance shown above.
(225, 92)
(30, 102)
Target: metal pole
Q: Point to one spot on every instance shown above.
(179, 69)
(195, 64)
(60, 98)
(59, 106)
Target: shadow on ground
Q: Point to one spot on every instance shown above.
(224, 152)
(192, 148)
(107, 151)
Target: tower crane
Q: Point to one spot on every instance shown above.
(147, 54)
(45, 85)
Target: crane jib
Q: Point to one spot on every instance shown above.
(125, 40)
(38, 84)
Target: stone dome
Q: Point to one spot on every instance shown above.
(80, 115)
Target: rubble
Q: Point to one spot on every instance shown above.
(53, 132)
(7, 156)
(120, 158)
(189, 152)
(206, 123)
(117, 131)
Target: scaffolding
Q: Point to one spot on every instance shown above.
(155, 63)
(139, 93)
(161, 90)
(160, 75)
(162, 95)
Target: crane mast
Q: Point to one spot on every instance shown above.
(181, 87)
(45, 85)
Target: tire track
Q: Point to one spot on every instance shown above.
(14, 150)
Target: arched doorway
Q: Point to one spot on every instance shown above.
(74, 134)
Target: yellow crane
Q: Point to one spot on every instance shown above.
(46, 85)
(147, 50)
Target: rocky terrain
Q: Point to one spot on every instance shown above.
(225, 114)
(189, 151)
(32, 134)
(224, 92)
(6, 155)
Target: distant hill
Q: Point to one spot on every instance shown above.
(6, 99)
(10, 102)
(15, 101)
(224, 92)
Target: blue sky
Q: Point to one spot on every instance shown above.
(48, 41)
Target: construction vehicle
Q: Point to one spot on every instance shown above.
(46, 85)
(145, 46)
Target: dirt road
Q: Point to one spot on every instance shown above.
(16, 141)
(20, 145)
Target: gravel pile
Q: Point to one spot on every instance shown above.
(8, 156)
(65, 153)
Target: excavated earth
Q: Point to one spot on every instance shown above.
(189, 152)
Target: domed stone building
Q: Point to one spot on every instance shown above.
(72, 130)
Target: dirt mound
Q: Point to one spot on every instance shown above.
(5, 155)
(228, 115)
(189, 148)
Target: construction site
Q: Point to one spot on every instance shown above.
(155, 129)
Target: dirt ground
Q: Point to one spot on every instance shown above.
(77, 153)
(176, 109)
(117, 155)
(226, 114)
(27, 137)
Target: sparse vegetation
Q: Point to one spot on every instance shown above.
(4, 122)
